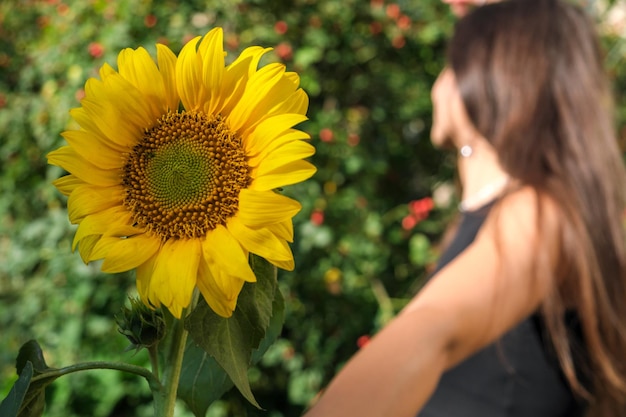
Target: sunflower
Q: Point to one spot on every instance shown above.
(174, 169)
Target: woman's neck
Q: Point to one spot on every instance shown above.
(482, 178)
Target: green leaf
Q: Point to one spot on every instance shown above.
(308, 55)
(10, 406)
(419, 249)
(204, 381)
(31, 352)
(34, 399)
(275, 328)
(230, 342)
(255, 300)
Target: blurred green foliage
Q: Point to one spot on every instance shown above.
(360, 252)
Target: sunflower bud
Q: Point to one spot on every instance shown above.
(142, 326)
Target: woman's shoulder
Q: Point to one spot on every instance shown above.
(523, 215)
(525, 227)
(501, 278)
(530, 200)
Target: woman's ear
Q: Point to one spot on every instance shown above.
(451, 125)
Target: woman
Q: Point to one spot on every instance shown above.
(526, 313)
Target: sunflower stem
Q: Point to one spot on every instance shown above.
(165, 399)
(86, 366)
(154, 359)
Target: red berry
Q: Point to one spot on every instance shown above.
(362, 341)
(393, 10)
(281, 27)
(409, 222)
(284, 51)
(150, 20)
(317, 217)
(326, 135)
(96, 49)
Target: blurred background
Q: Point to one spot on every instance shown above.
(372, 215)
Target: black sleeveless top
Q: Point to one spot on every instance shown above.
(518, 376)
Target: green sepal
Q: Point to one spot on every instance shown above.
(221, 350)
(142, 326)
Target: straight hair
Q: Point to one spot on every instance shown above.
(531, 76)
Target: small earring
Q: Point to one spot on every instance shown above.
(466, 151)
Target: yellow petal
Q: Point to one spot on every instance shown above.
(113, 124)
(100, 223)
(123, 229)
(224, 294)
(189, 76)
(284, 155)
(88, 124)
(221, 250)
(94, 88)
(106, 70)
(298, 102)
(263, 243)
(268, 130)
(255, 52)
(67, 158)
(117, 95)
(100, 249)
(138, 109)
(278, 101)
(129, 253)
(67, 184)
(86, 247)
(262, 84)
(211, 49)
(167, 66)
(281, 99)
(144, 276)
(259, 208)
(282, 230)
(236, 77)
(215, 298)
(93, 149)
(291, 173)
(87, 199)
(287, 265)
(289, 136)
(175, 273)
(137, 67)
(120, 111)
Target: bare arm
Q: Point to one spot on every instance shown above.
(474, 300)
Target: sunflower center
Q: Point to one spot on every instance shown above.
(184, 176)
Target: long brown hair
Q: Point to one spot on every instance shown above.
(531, 76)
